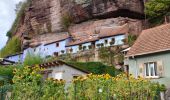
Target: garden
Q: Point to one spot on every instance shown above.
(29, 84)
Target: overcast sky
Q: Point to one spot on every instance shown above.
(7, 16)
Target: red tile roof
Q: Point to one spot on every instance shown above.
(152, 40)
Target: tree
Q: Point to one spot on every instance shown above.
(107, 55)
(157, 9)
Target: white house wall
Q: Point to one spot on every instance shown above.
(51, 48)
(16, 58)
(68, 72)
(118, 40)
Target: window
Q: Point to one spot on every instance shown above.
(56, 54)
(57, 44)
(105, 41)
(58, 75)
(151, 69)
(75, 76)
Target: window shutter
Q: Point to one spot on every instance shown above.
(160, 68)
(141, 70)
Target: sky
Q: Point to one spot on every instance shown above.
(7, 16)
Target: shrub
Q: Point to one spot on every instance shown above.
(13, 46)
(101, 87)
(28, 84)
(32, 59)
(6, 74)
(96, 68)
(66, 21)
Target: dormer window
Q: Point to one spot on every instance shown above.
(57, 44)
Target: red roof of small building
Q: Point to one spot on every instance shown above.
(152, 40)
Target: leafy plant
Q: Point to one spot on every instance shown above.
(29, 85)
(101, 87)
(66, 21)
(13, 46)
(106, 54)
(32, 59)
(95, 67)
(157, 9)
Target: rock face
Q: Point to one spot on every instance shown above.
(47, 16)
(135, 26)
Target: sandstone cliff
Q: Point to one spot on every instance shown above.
(47, 16)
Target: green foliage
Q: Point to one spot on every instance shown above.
(157, 9)
(13, 46)
(32, 59)
(95, 67)
(6, 74)
(29, 85)
(66, 21)
(105, 87)
(107, 55)
(19, 17)
(130, 40)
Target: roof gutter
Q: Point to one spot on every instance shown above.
(141, 54)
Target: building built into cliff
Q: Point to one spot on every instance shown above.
(76, 43)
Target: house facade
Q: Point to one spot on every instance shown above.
(110, 41)
(49, 48)
(56, 48)
(61, 70)
(149, 57)
(17, 58)
(106, 37)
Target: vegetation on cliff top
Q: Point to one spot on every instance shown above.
(157, 9)
(13, 46)
(20, 11)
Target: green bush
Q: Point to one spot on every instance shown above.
(13, 46)
(29, 85)
(66, 21)
(32, 59)
(96, 68)
(6, 74)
